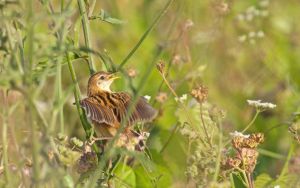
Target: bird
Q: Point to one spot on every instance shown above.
(107, 109)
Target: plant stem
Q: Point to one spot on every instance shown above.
(58, 75)
(28, 82)
(163, 12)
(169, 139)
(246, 178)
(220, 146)
(203, 125)
(286, 164)
(232, 181)
(86, 33)
(4, 139)
(84, 122)
(252, 121)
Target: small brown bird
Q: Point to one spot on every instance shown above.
(107, 109)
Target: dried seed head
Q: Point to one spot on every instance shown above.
(188, 24)
(161, 67)
(161, 97)
(221, 7)
(132, 72)
(257, 137)
(238, 142)
(251, 141)
(234, 162)
(294, 129)
(200, 93)
(216, 113)
(249, 158)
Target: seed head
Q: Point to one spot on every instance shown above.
(132, 72)
(200, 93)
(161, 67)
(161, 97)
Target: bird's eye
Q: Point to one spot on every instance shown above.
(102, 77)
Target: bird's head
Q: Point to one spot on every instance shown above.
(101, 81)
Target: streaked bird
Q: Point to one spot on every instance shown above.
(107, 109)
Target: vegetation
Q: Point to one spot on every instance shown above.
(224, 76)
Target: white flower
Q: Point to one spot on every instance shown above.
(242, 38)
(251, 34)
(264, 3)
(239, 134)
(241, 17)
(147, 97)
(261, 105)
(260, 34)
(181, 99)
(277, 186)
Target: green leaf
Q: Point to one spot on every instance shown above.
(142, 179)
(104, 16)
(263, 180)
(68, 181)
(125, 176)
(160, 177)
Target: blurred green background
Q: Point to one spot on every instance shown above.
(239, 49)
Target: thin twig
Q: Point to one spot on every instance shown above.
(252, 121)
(170, 138)
(203, 125)
(160, 15)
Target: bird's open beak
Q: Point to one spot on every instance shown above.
(113, 76)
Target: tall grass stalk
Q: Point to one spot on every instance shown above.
(77, 94)
(4, 138)
(86, 33)
(59, 72)
(220, 147)
(28, 77)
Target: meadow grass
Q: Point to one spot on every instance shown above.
(199, 62)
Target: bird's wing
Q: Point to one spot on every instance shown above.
(141, 112)
(97, 112)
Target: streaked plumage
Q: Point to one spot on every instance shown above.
(107, 109)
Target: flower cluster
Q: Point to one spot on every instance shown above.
(181, 99)
(261, 105)
(247, 23)
(133, 141)
(254, 11)
(252, 36)
(246, 152)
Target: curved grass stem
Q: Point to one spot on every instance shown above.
(251, 122)
(159, 16)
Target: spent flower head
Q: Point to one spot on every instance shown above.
(131, 72)
(200, 93)
(161, 67)
(161, 97)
